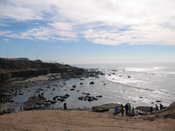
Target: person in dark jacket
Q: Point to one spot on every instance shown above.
(157, 108)
(161, 107)
(126, 109)
(122, 110)
(116, 110)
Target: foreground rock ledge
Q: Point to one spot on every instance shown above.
(56, 120)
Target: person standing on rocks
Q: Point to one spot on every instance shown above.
(133, 111)
(129, 108)
(122, 110)
(151, 109)
(161, 107)
(157, 108)
(126, 109)
(117, 110)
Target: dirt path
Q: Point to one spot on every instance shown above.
(78, 121)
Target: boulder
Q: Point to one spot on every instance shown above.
(6, 108)
(74, 86)
(91, 83)
(129, 76)
(172, 116)
(171, 106)
(144, 108)
(99, 96)
(72, 89)
(34, 102)
(105, 107)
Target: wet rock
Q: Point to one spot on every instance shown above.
(55, 97)
(20, 93)
(140, 97)
(87, 98)
(54, 85)
(40, 96)
(74, 86)
(84, 93)
(41, 89)
(11, 101)
(80, 98)
(53, 102)
(48, 87)
(66, 96)
(34, 102)
(129, 76)
(99, 96)
(91, 83)
(61, 98)
(72, 89)
(91, 99)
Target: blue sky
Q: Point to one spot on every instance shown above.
(88, 32)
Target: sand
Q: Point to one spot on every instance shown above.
(57, 120)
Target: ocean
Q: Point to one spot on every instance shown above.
(139, 84)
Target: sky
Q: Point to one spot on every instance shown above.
(88, 31)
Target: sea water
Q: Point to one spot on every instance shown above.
(139, 84)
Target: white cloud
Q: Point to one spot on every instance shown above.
(150, 21)
(62, 26)
(53, 32)
(18, 13)
(154, 34)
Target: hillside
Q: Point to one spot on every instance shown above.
(22, 67)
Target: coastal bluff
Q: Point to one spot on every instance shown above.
(25, 68)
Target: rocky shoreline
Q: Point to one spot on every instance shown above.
(39, 101)
(19, 74)
(17, 85)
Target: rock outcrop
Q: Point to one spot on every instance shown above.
(105, 107)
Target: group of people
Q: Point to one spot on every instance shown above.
(124, 110)
(130, 111)
(159, 108)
